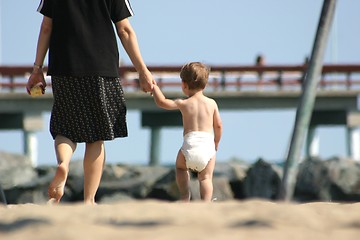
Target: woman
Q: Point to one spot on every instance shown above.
(83, 63)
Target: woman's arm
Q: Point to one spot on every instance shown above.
(129, 41)
(37, 74)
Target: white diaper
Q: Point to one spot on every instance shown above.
(198, 148)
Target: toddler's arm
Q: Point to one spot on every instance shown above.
(162, 101)
(217, 125)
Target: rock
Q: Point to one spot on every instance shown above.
(74, 188)
(22, 195)
(165, 188)
(34, 191)
(313, 181)
(222, 190)
(231, 170)
(137, 181)
(15, 170)
(344, 174)
(262, 181)
(116, 197)
(236, 178)
(114, 171)
(336, 179)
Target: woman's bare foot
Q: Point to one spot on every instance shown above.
(92, 202)
(57, 185)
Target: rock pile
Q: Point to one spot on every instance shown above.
(335, 179)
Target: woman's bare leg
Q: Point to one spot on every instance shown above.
(64, 149)
(205, 180)
(93, 167)
(182, 177)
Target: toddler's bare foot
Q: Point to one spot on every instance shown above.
(57, 185)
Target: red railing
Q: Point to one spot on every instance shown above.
(222, 78)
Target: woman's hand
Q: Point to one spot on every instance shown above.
(146, 81)
(37, 76)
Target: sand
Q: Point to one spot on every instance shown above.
(251, 219)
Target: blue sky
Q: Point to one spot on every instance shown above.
(215, 32)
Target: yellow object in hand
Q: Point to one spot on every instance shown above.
(36, 90)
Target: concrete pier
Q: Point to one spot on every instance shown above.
(157, 120)
(155, 146)
(349, 119)
(31, 147)
(312, 146)
(21, 112)
(29, 123)
(353, 142)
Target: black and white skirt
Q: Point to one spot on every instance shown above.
(88, 109)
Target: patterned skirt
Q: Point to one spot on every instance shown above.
(88, 109)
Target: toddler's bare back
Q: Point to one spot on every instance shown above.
(198, 112)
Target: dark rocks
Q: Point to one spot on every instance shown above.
(345, 174)
(335, 179)
(313, 181)
(135, 181)
(222, 189)
(19, 180)
(15, 170)
(165, 188)
(262, 181)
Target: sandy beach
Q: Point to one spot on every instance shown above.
(250, 219)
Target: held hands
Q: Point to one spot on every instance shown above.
(36, 80)
(146, 81)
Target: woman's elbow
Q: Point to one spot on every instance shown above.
(46, 27)
(122, 33)
(125, 33)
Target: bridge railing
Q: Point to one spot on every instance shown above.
(222, 78)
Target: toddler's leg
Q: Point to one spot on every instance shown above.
(182, 177)
(205, 180)
(64, 149)
(93, 166)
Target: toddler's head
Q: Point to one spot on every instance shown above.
(195, 75)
